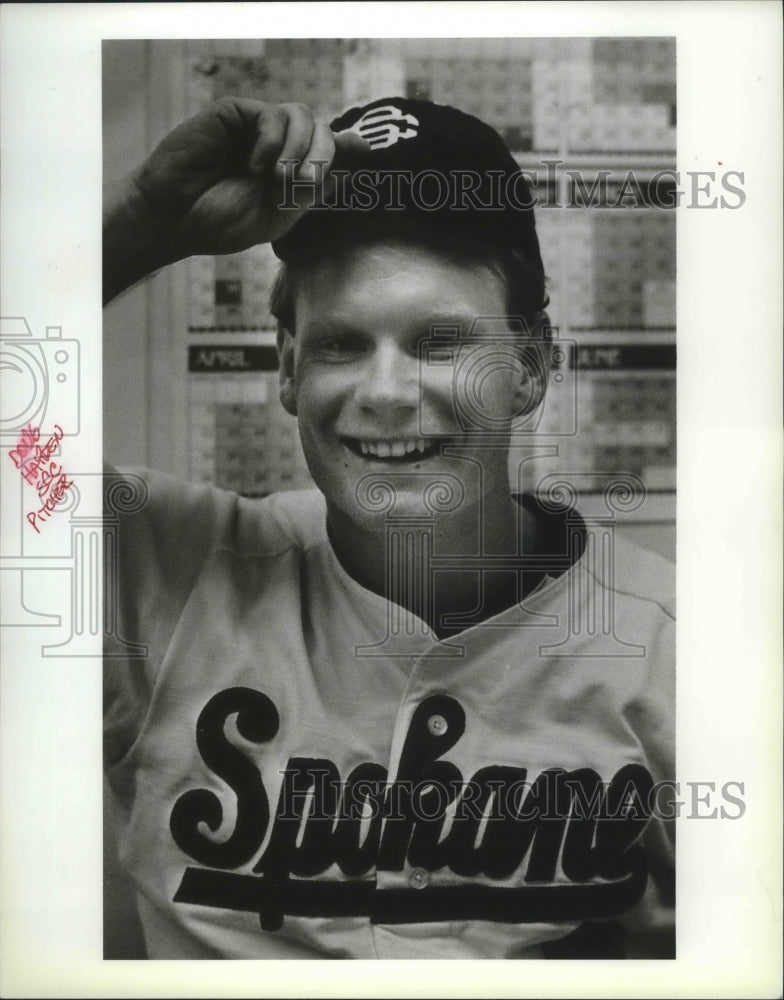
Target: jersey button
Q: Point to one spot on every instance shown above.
(418, 878)
(437, 725)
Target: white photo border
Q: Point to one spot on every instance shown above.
(729, 517)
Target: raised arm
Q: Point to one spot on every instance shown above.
(214, 185)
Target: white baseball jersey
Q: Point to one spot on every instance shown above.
(301, 777)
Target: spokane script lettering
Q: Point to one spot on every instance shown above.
(567, 839)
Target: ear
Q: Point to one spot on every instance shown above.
(288, 394)
(536, 361)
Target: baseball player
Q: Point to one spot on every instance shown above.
(382, 718)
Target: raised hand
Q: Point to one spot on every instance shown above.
(215, 185)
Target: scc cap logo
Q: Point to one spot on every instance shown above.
(385, 126)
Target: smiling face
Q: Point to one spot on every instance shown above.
(375, 405)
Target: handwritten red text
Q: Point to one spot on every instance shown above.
(34, 460)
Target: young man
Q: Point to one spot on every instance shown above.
(377, 720)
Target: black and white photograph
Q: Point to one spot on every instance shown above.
(367, 553)
(392, 677)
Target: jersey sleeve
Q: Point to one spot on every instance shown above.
(164, 532)
(652, 927)
(651, 714)
(644, 582)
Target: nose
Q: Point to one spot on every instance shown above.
(389, 385)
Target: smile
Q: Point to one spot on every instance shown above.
(406, 449)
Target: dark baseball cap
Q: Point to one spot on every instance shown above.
(447, 169)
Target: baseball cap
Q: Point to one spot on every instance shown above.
(450, 171)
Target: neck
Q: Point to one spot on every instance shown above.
(394, 562)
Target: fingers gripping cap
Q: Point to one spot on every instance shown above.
(445, 168)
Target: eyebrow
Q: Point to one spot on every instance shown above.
(319, 326)
(452, 319)
(447, 321)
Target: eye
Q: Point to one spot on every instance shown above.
(340, 345)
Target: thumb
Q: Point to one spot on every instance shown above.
(349, 143)
(348, 146)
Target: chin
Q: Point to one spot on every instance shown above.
(376, 503)
(379, 504)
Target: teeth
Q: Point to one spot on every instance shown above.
(394, 449)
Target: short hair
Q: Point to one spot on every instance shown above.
(525, 283)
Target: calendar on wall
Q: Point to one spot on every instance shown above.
(592, 122)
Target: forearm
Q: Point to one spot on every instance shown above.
(135, 244)
(210, 187)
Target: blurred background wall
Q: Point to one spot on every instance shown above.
(190, 384)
